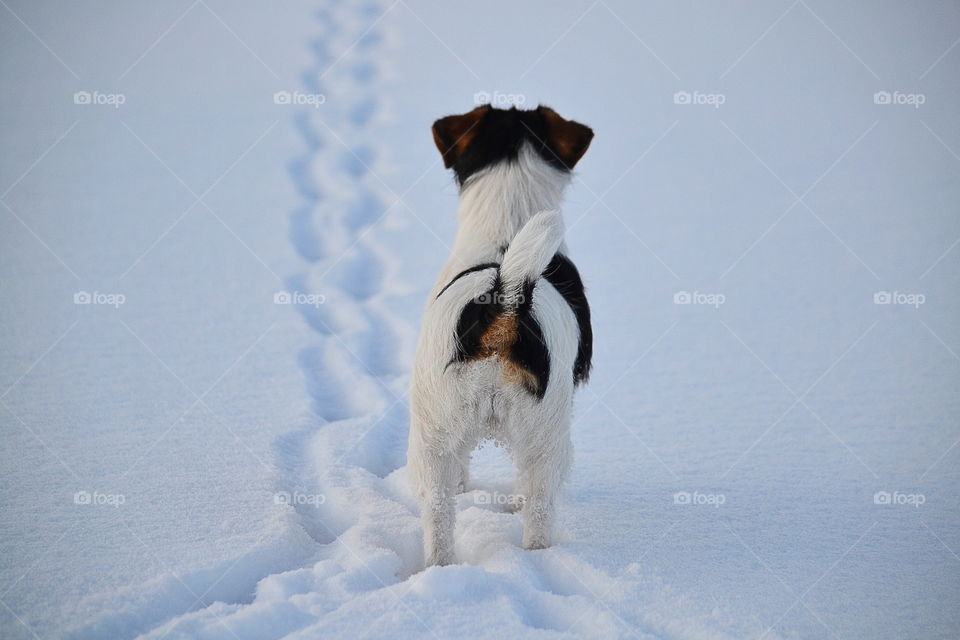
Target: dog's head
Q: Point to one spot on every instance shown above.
(485, 136)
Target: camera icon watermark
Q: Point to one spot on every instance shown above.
(106, 299)
(886, 498)
(97, 498)
(299, 498)
(699, 298)
(298, 98)
(698, 97)
(899, 298)
(899, 98)
(697, 498)
(299, 298)
(114, 100)
(499, 99)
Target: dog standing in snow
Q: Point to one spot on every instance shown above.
(506, 331)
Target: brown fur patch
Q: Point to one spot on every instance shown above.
(497, 341)
(453, 134)
(569, 139)
(499, 336)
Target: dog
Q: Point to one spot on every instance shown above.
(506, 333)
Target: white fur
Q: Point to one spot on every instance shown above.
(454, 407)
(530, 253)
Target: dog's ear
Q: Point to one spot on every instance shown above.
(453, 134)
(566, 138)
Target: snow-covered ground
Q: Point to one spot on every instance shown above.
(214, 445)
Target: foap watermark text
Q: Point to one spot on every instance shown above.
(496, 297)
(698, 297)
(502, 499)
(299, 298)
(499, 99)
(899, 98)
(899, 298)
(899, 498)
(699, 98)
(299, 98)
(697, 498)
(298, 498)
(97, 498)
(97, 98)
(98, 298)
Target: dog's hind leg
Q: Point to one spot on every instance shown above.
(463, 459)
(542, 471)
(439, 475)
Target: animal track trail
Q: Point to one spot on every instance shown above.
(341, 388)
(353, 372)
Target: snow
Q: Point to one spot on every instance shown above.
(244, 459)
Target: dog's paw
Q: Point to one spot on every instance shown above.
(514, 506)
(534, 541)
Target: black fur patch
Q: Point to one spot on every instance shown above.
(475, 318)
(563, 275)
(530, 349)
(499, 137)
(478, 267)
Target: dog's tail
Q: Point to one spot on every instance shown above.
(528, 255)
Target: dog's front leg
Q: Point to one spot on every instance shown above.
(441, 474)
